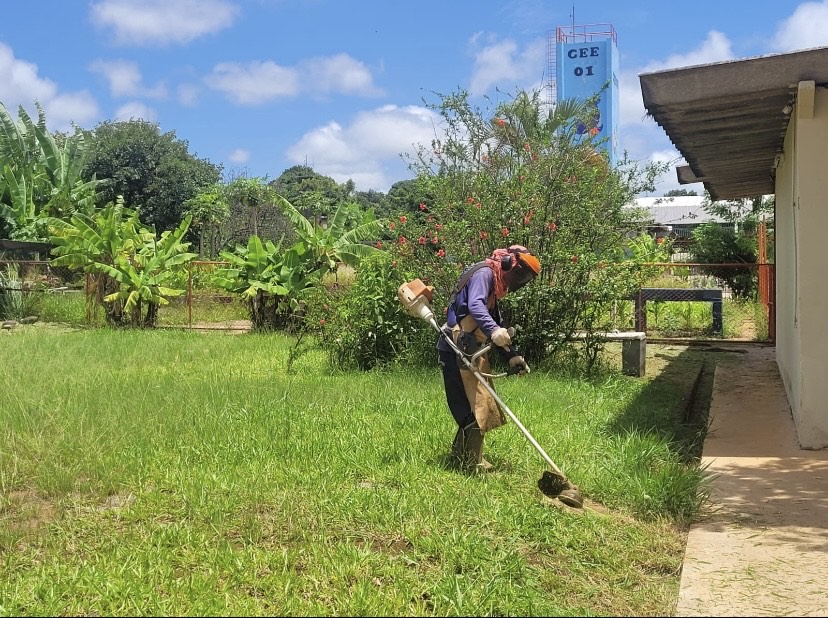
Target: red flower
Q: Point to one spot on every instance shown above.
(504, 231)
(379, 244)
(470, 200)
(484, 234)
(403, 219)
(392, 225)
(421, 240)
(438, 226)
(552, 227)
(660, 240)
(441, 253)
(574, 259)
(322, 322)
(434, 241)
(422, 206)
(403, 240)
(500, 121)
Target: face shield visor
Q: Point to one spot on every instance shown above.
(518, 276)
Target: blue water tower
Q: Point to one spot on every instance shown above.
(585, 59)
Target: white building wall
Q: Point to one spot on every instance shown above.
(787, 290)
(801, 280)
(812, 194)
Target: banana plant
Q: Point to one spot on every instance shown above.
(131, 269)
(145, 279)
(40, 177)
(268, 279)
(68, 192)
(334, 243)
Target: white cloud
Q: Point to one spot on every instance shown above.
(258, 82)
(501, 61)
(715, 48)
(807, 27)
(125, 79)
(253, 83)
(20, 84)
(640, 136)
(669, 180)
(153, 22)
(239, 155)
(135, 110)
(362, 151)
(340, 73)
(64, 110)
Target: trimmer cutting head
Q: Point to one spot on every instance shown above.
(557, 486)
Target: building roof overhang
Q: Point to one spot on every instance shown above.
(728, 120)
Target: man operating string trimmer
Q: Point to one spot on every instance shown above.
(473, 326)
(473, 318)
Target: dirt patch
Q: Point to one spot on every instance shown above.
(235, 327)
(26, 511)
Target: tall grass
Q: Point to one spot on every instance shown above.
(15, 301)
(178, 473)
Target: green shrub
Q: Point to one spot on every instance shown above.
(363, 325)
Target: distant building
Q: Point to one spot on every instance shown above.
(676, 217)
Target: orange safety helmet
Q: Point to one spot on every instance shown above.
(519, 267)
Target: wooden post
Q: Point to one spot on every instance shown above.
(190, 295)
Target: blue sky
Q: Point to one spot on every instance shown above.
(261, 85)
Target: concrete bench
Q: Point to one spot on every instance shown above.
(633, 349)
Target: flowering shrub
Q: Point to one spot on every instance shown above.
(522, 176)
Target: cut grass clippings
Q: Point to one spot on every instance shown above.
(181, 473)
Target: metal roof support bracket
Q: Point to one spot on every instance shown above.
(805, 100)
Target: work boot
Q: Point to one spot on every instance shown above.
(457, 445)
(470, 449)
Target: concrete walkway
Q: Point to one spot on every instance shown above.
(761, 549)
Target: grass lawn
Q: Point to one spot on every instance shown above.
(180, 473)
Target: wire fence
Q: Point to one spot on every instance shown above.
(701, 301)
(675, 300)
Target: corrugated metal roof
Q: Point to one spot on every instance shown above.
(679, 210)
(728, 120)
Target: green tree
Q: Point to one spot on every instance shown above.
(153, 171)
(375, 201)
(734, 242)
(314, 195)
(407, 195)
(520, 174)
(208, 209)
(251, 195)
(679, 192)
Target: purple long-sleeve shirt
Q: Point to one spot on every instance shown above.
(471, 300)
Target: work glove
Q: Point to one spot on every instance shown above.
(501, 337)
(518, 365)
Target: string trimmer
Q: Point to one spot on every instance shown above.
(416, 297)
